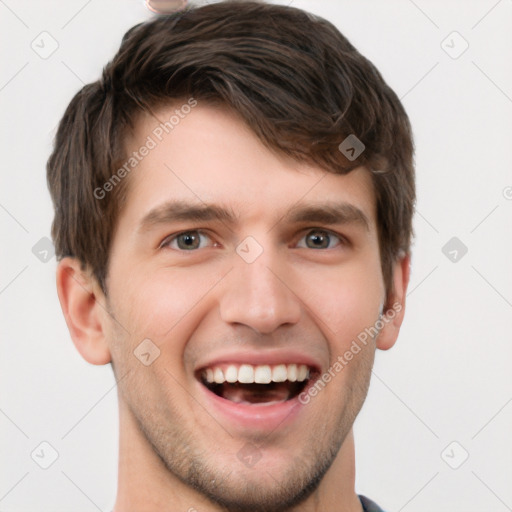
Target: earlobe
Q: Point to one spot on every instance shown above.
(394, 311)
(79, 294)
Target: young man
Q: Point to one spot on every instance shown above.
(233, 219)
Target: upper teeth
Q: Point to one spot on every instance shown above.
(263, 374)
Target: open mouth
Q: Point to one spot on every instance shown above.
(262, 384)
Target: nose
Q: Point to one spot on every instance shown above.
(259, 294)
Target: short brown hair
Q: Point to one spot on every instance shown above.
(295, 80)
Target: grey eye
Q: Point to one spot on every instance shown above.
(186, 240)
(319, 239)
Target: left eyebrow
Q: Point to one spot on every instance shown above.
(329, 213)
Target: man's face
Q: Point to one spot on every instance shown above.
(241, 297)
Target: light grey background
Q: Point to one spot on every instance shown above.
(448, 378)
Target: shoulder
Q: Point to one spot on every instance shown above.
(369, 505)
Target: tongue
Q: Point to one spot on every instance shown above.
(256, 393)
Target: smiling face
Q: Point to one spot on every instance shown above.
(252, 274)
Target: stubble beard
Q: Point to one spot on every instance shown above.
(252, 489)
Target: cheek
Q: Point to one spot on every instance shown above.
(159, 304)
(344, 300)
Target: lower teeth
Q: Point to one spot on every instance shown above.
(244, 402)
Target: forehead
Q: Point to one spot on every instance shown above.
(207, 155)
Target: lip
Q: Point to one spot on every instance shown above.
(256, 418)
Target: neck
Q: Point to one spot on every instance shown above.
(145, 484)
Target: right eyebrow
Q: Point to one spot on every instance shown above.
(179, 210)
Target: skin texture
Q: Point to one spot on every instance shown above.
(177, 452)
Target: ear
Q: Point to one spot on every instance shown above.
(83, 305)
(394, 310)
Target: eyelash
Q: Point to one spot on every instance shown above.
(167, 241)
